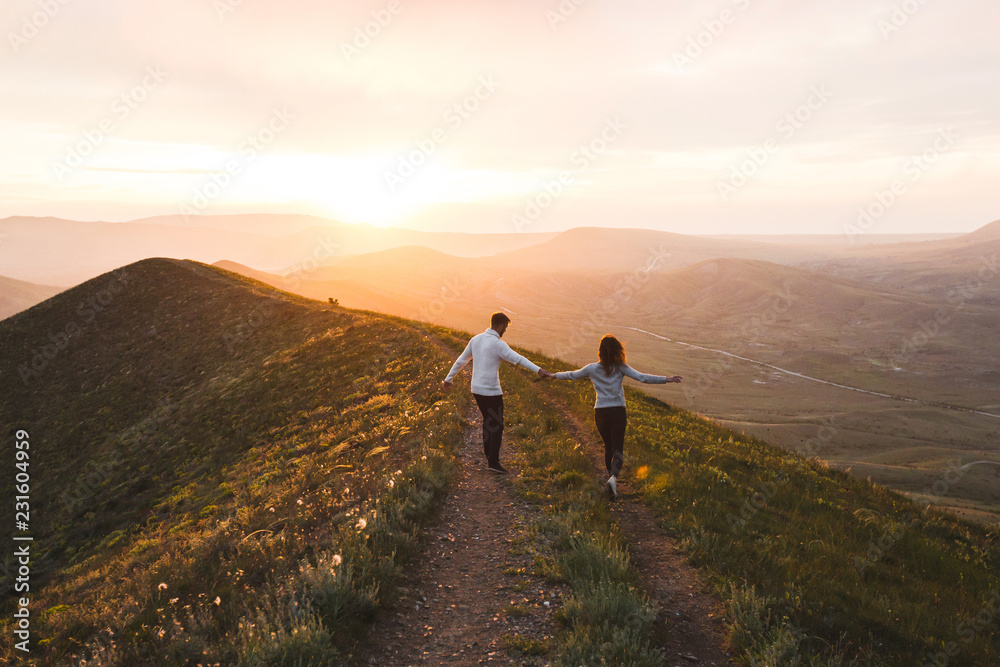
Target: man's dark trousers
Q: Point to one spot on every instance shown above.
(492, 409)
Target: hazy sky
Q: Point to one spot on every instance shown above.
(723, 117)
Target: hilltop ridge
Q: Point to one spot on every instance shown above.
(989, 231)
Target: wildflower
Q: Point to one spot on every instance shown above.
(298, 502)
(392, 483)
(337, 560)
(174, 600)
(362, 524)
(162, 586)
(218, 601)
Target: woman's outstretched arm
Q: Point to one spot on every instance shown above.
(628, 371)
(578, 374)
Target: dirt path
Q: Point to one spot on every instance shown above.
(689, 618)
(470, 590)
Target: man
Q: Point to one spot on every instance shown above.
(486, 351)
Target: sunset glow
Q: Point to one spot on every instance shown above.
(739, 117)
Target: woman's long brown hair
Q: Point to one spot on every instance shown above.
(611, 353)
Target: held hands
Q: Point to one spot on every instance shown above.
(676, 378)
(542, 373)
(446, 385)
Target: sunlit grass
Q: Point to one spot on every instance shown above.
(264, 513)
(275, 508)
(606, 619)
(810, 562)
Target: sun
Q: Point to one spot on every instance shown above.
(348, 189)
(370, 189)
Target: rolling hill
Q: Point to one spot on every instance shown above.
(819, 323)
(714, 299)
(988, 232)
(960, 270)
(224, 472)
(17, 295)
(602, 250)
(48, 250)
(177, 420)
(912, 367)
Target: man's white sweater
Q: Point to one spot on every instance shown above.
(486, 351)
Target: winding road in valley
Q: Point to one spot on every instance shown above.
(803, 376)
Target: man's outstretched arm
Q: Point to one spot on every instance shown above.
(459, 364)
(513, 357)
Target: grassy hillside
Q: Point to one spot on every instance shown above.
(814, 566)
(205, 449)
(225, 473)
(831, 328)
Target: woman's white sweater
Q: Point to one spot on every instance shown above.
(609, 387)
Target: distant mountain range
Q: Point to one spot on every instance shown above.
(53, 251)
(17, 295)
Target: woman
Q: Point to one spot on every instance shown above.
(609, 410)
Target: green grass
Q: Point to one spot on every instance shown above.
(207, 490)
(255, 506)
(606, 619)
(519, 645)
(810, 562)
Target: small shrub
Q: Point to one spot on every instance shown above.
(298, 640)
